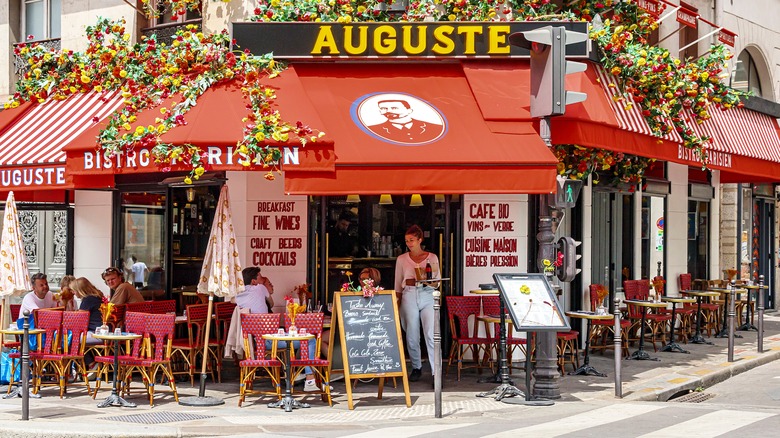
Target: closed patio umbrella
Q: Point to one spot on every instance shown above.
(14, 278)
(220, 276)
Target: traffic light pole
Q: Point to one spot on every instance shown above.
(547, 383)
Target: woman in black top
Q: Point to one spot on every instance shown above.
(91, 299)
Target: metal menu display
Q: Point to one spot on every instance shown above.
(531, 302)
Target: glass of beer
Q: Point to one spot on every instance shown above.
(419, 272)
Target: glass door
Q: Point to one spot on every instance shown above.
(653, 241)
(612, 256)
(142, 241)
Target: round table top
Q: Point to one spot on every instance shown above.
(699, 293)
(18, 331)
(484, 291)
(287, 337)
(493, 318)
(643, 303)
(115, 337)
(722, 290)
(754, 286)
(678, 300)
(587, 315)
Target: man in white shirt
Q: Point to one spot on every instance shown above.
(40, 297)
(257, 292)
(139, 272)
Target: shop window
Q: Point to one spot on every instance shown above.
(166, 17)
(41, 19)
(688, 35)
(698, 238)
(192, 214)
(142, 227)
(745, 76)
(746, 237)
(653, 237)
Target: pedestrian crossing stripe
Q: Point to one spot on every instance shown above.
(711, 424)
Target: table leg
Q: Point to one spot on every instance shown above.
(641, 354)
(724, 329)
(506, 388)
(115, 399)
(288, 403)
(586, 369)
(748, 325)
(698, 338)
(673, 346)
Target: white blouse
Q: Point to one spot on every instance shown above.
(404, 269)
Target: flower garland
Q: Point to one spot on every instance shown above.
(368, 288)
(578, 162)
(148, 72)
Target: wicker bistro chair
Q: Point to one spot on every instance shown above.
(640, 290)
(459, 310)
(51, 322)
(135, 322)
(492, 306)
(74, 335)
(141, 306)
(312, 322)
(14, 308)
(256, 357)
(190, 348)
(223, 313)
(162, 306)
(158, 336)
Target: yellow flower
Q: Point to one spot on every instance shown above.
(187, 180)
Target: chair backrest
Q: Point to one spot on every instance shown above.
(458, 311)
(135, 322)
(15, 308)
(159, 330)
(684, 281)
(141, 306)
(196, 322)
(118, 315)
(491, 305)
(312, 322)
(598, 293)
(254, 326)
(636, 290)
(51, 321)
(162, 306)
(76, 324)
(659, 284)
(224, 310)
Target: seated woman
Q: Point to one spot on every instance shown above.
(91, 299)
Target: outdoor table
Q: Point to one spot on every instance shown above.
(288, 402)
(673, 346)
(115, 399)
(698, 338)
(496, 377)
(748, 325)
(727, 294)
(586, 369)
(17, 391)
(640, 354)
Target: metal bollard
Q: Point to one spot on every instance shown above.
(760, 308)
(618, 344)
(437, 352)
(732, 314)
(26, 367)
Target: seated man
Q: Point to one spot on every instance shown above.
(257, 292)
(40, 297)
(122, 292)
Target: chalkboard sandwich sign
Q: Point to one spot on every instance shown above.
(370, 336)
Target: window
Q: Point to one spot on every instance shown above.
(166, 17)
(745, 76)
(41, 19)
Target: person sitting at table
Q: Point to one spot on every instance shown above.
(66, 294)
(122, 292)
(257, 292)
(40, 297)
(91, 298)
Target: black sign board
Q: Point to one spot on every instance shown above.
(531, 302)
(370, 336)
(427, 40)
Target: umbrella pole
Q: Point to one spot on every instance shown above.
(5, 309)
(201, 399)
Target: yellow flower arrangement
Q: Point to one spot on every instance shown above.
(106, 310)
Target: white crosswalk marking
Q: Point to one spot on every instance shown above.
(407, 431)
(585, 420)
(711, 424)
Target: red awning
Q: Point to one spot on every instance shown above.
(446, 146)
(214, 124)
(31, 145)
(745, 145)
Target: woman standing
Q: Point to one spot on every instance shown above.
(416, 301)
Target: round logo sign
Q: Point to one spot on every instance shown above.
(398, 118)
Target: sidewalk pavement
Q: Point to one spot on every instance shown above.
(77, 414)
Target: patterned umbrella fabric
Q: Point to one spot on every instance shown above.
(14, 277)
(220, 276)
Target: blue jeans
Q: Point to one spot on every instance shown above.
(416, 312)
(282, 345)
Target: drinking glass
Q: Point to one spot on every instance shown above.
(330, 307)
(280, 332)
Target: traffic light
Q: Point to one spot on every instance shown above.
(549, 67)
(568, 268)
(567, 193)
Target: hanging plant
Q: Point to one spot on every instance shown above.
(579, 162)
(148, 72)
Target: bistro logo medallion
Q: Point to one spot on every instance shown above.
(398, 118)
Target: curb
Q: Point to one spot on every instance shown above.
(27, 429)
(737, 367)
